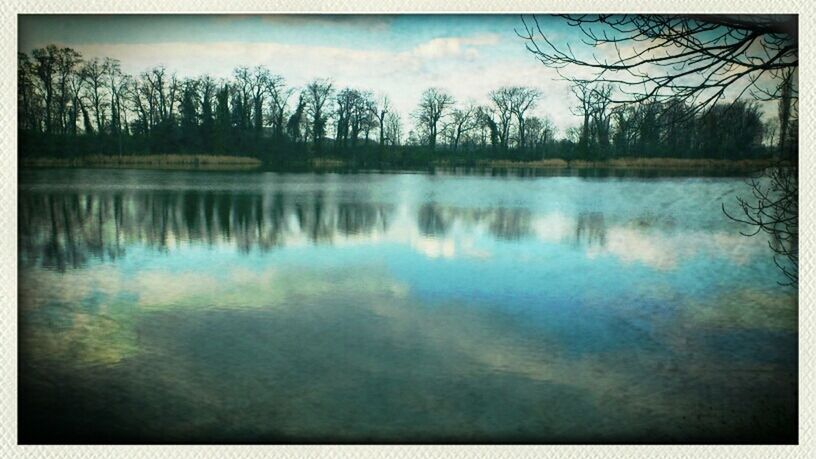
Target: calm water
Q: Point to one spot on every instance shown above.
(260, 307)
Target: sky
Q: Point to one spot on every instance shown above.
(398, 56)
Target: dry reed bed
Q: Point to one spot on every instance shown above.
(635, 163)
(157, 161)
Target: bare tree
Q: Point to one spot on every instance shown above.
(434, 104)
(76, 86)
(601, 119)
(66, 60)
(95, 72)
(379, 110)
(540, 132)
(117, 85)
(583, 92)
(316, 94)
(243, 90)
(521, 100)
(258, 85)
(293, 125)
(774, 210)
(486, 117)
(279, 96)
(461, 122)
(45, 67)
(502, 109)
(393, 128)
(346, 100)
(788, 109)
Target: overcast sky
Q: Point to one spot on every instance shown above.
(398, 56)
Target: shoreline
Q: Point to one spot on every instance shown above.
(171, 161)
(325, 164)
(634, 164)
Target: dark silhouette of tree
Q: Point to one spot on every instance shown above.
(95, 72)
(206, 90)
(521, 100)
(787, 118)
(583, 92)
(45, 66)
(346, 99)
(294, 122)
(223, 121)
(67, 60)
(502, 108)
(434, 104)
(279, 96)
(462, 121)
(316, 94)
(27, 95)
(393, 129)
(380, 110)
(189, 117)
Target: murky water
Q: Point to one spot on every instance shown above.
(260, 307)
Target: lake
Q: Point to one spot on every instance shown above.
(169, 306)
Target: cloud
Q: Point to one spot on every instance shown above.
(453, 46)
(665, 251)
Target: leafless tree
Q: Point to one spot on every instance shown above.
(66, 61)
(346, 100)
(503, 111)
(540, 132)
(521, 100)
(316, 94)
(601, 119)
(117, 85)
(379, 110)
(279, 96)
(583, 92)
(434, 104)
(95, 72)
(393, 128)
(462, 121)
(774, 210)
(258, 85)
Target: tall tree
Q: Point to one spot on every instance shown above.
(279, 96)
(316, 94)
(434, 104)
(379, 110)
(45, 66)
(223, 121)
(521, 100)
(462, 121)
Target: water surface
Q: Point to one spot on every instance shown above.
(166, 306)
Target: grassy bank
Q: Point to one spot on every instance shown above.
(186, 162)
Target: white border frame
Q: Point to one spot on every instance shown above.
(8, 222)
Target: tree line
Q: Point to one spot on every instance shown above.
(69, 106)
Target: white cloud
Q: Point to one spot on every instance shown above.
(453, 46)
